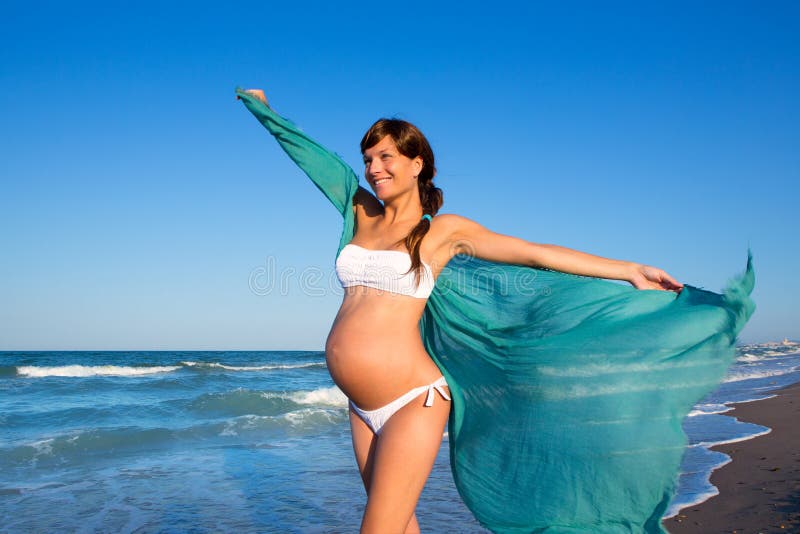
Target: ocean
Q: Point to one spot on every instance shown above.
(219, 441)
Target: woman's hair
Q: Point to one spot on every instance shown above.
(411, 143)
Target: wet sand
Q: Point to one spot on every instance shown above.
(759, 491)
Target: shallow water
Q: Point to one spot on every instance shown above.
(238, 441)
(758, 370)
(201, 442)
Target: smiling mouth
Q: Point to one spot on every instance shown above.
(381, 180)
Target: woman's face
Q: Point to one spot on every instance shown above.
(389, 172)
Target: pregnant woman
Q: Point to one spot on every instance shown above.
(416, 328)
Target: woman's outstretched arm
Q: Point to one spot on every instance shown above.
(468, 237)
(327, 170)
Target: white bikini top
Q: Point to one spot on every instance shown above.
(382, 269)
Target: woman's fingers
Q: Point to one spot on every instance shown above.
(669, 282)
(258, 93)
(654, 278)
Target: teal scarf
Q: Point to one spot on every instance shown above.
(568, 392)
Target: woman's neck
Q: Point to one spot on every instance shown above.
(402, 209)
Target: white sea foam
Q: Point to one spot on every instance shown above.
(298, 419)
(230, 429)
(711, 409)
(77, 371)
(244, 422)
(331, 396)
(698, 497)
(747, 357)
(708, 490)
(43, 447)
(744, 373)
(217, 365)
(305, 416)
(91, 370)
(708, 409)
(770, 355)
(755, 399)
(708, 444)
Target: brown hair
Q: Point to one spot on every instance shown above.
(411, 143)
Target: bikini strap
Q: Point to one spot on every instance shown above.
(436, 386)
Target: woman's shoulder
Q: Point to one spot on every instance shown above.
(366, 202)
(448, 219)
(447, 237)
(446, 227)
(451, 223)
(459, 234)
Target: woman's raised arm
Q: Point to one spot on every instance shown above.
(327, 170)
(468, 237)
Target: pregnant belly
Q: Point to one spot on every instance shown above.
(373, 363)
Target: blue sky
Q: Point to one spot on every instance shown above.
(141, 204)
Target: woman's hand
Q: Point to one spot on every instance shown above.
(258, 93)
(647, 277)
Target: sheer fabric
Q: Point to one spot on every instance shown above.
(568, 392)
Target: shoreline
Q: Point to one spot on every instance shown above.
(759, 489)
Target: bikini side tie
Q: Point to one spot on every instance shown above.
(437, 387)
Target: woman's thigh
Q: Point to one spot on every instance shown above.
(402, 459)
(364, 441)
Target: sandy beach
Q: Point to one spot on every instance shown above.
(759, 490)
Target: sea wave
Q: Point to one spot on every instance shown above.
(770, 355)
(747, 358)
(331, 396)
(782, 351)
(303, 421)
(270, 367)
(241, 401)
(695, 480)
(735, 439)
(707, 409)
(711, 429)
(717, 408)
(90, 445)
(76, 371)
(82, 371)
(74, 445)
(737, 374)
(700, 462)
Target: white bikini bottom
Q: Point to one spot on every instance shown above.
(377, 418)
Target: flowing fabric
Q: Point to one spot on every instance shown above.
(568, 392)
